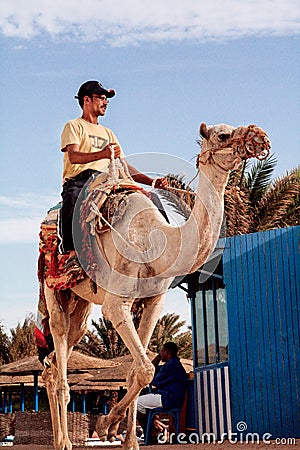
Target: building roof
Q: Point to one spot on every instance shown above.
(77, 362)
(84, 372)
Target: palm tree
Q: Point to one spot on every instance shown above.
(22, 341)
(279, 206)
(254, 202)
(103, 341)
(4, 347)
(168, 328)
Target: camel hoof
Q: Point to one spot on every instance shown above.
(131, 445)
(101, 429)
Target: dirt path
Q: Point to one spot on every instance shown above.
(272, 445)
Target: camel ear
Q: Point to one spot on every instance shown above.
(203, 130)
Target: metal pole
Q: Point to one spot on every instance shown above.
(5, 403)
(84, 403)
(22, 397)
(72, 401)
(36, 392)
(192, 296)
(105, 406)
(10, 407)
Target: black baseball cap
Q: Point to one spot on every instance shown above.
(94, 87)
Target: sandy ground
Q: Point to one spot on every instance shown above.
(224, 446)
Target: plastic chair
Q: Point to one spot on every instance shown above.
(151, 413)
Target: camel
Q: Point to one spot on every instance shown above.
(138, 258)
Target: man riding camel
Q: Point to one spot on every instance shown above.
(88, 148)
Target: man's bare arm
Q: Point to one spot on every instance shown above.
(77, 157)
(160, 183)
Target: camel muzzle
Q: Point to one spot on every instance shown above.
(251, 142)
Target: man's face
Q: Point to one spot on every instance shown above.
(164, 355)
(100, 103)
(97, 104)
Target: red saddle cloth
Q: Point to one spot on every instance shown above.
(52, 264)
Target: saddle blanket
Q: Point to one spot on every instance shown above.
(52, 264)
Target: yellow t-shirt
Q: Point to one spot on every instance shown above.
(90, 138)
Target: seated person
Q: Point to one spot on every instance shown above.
(169, 382)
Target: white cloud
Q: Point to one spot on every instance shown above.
(21, 216)
(132, 21)
(23, 230)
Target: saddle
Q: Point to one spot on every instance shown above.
(104, 203)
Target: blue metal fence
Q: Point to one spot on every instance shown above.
(263, 294)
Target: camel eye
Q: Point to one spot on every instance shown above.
(224, 136)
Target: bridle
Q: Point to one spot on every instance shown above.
(243, 144)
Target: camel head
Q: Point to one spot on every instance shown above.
(227, 146)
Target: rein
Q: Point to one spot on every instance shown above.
(115, 164)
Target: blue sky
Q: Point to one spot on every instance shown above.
(173, 64)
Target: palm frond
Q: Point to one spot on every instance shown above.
(181, 202)
(168, 328)
(237, 211)
(238, 177)
(280, 200)
(259, 178)
(292, 216)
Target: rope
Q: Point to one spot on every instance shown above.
(115, 178)
(194, 178)
(153, 183)
(118, 163)
(170, 188)
(94, 208)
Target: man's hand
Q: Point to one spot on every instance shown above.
(77, 157)
(156, 360)
(161, 183)
(113, 151)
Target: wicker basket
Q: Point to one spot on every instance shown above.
(7, 425)
(78, 427)
(35, 428)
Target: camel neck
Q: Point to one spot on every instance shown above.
(196, 239)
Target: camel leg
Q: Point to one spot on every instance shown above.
(49, 376)
(62, 312)
(79, 321)
(118, 311)
(59, 326)
(142, 369)
(151, 313)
